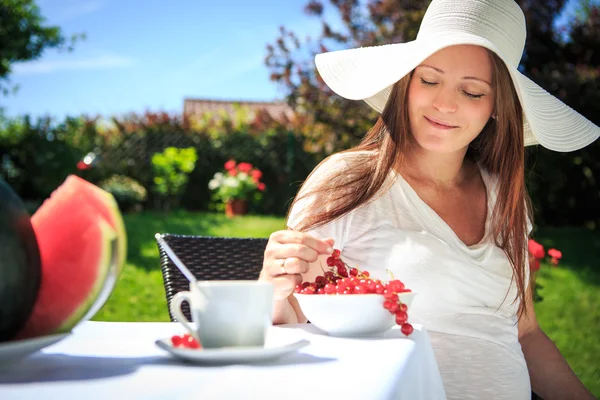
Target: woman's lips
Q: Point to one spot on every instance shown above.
(439, 124)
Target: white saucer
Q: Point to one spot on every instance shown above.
(16, 349)
(231, 355)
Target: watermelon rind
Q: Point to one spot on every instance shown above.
(108, 264)
(106, 204)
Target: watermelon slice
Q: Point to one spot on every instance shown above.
(75, 189)
(82, 242)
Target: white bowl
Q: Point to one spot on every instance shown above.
(350, 315)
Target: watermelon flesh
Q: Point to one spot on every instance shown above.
(75, 190)
(107, 207)
(81, 237)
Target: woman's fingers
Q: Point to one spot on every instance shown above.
(289, 244)
(279, 252)
(288, 256)
(304, 240)
(289, 265)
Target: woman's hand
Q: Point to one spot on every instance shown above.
(289, 255)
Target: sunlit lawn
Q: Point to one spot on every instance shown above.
(139, 294)
(569, 312)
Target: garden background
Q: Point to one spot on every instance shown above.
(119, 154)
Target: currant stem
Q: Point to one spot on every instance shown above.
(321, 265)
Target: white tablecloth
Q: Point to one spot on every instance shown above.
(114, 360)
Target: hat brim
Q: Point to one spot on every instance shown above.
(368, 73)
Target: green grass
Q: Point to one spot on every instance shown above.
(139, 293)
(569, 312)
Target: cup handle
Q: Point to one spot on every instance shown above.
(175, 307)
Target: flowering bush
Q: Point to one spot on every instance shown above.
(236, 182)
(128, 192)
(536, 256)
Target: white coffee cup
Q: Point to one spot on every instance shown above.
(227, 313)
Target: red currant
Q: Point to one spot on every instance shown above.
(329, 288)
(401, 317)
(176, 340)
(192, 343)
(341, 279)
(407, 329)
(391, 297)
(360, 289)
(185, 341)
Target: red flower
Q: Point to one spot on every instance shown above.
(256, 175)
(82, 165)
(261, 186)
(555, 254)
(229, 165)
(244, 167)
(536, 249)
(534, 265)
(232, 172)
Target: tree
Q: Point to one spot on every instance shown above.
(335, 121)
(563, 59)
(24, 36)
(565, 186)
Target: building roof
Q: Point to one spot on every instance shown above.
(278, 111)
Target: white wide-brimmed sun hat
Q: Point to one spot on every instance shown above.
(368, 73)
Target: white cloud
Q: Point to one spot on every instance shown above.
(50, 66)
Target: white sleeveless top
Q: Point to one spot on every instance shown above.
(465, 298)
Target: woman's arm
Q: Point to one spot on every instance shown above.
(287, 310)
(285, 313)
(550, 374)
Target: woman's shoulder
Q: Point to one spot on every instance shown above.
(339, 164)
(346, 158)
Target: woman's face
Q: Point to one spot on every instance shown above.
(450, 98)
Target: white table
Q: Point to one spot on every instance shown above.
(119, 360)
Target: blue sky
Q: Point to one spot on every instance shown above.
(151, 54)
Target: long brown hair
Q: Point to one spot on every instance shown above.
(499, 148)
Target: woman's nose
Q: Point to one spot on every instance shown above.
(444, 101)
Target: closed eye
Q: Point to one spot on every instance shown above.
(424, 82)
(473, 96)
(470, 95)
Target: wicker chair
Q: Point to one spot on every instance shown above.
(209, 258)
